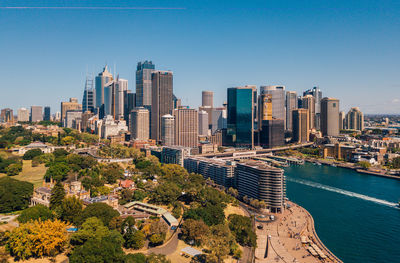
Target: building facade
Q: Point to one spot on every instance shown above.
(291, 104)
(144, 83)
(36, 113)
(301, 125)
(71, 105)
(101, 81)
(47, 114)
(207, 99)
(309, 104)
(162, 101)
(186, 127)
(355, 119)
(168, 130)
(278, 97)
(203, 123)
(23, 114)
(139, 124)
(330, 117)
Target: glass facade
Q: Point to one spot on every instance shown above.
(241, 115)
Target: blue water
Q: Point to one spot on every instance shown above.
(355, 214)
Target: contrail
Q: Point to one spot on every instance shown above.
(93, 7)
(343, 192)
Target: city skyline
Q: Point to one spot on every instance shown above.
(340, 38)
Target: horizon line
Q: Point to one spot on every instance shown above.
(93, 7)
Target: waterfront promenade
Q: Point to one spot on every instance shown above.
(291, 238)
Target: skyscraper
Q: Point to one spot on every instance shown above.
(88, 96)
(203, 123)
(291, 104)
(72, 105)
(270, 130)
(36, 113)
(139, 126)
(143, 83)
(168, 130)
(162, 103)
(47, 114)
(101, 80)
(309, 104)
(278, 100)
(355, 119)
(23, 114)
(109, 99)
(317, 94)
(186, 127)
(330, 117)
(218, 119)
(342, 124)
(301, 125)
(7, 115)
(242, 111)
(121, 86)
(207, 98)
(129, 104)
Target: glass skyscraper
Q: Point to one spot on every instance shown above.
(242, 112)
(143, 83)
(101, 81)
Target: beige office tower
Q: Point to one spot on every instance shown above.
(203, 123)
(186, 127)
(36, 113)
(291, 104)
(139, 126)
(342, 124)
(72, 105)
(23, 114)
(330, 117)
(355, 119)
(207, 99)
(168, 130)
(301, 125)
(162, 100)
(308, 102)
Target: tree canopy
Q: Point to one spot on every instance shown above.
(14, 194)
(35, 213)
(102, 211)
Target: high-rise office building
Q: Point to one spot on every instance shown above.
(203, 123)
(23, 114)
(330, 117)
(101, 81)
(342, 123)
(257, 180)
(317, 94)
(7, 115)
(144, 83)
(168, 130)
(242, 111)
(121, 86)
(36, 113)
(177, 102)
(186, 127)
(271, 133)
(218, 119)
(291, 104)
(207, 99)
(309, 104)
(139, 126)
(278, 100)
(73, 119)
(88, 99)
(301, 125)
(47, 114)
(162, 102)
(129, 104)
(355, 119)
(71, 105)
(109, 99)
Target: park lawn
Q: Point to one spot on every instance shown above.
(31, 174)
(230, 209)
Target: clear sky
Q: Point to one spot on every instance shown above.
(350, 49)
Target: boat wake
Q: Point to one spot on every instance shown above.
(343, 192)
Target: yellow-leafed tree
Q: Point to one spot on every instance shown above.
(37, 239)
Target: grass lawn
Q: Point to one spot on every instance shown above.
(31, 174)
(230, 209)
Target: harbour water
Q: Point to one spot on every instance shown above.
(356, 215)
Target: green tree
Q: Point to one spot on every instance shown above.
(102, 211)
(365, 164)
(60, 153)
(166, 193)
(220, 242)
(29, 155)
(136, 258)
(195, 230)
(134, 239)
(35, 213)
(92, 228)
(71, 209)
(14, 169)
(57, 195)
(14, 195)
(57, 171)
(210, 214)
(242, 228)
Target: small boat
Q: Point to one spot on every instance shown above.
(319, 164)
(398, 204)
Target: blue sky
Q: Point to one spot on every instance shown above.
(350, 49)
